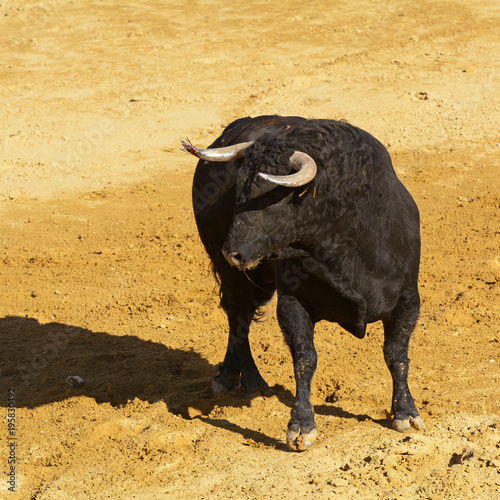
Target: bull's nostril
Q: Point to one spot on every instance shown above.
(234, 258)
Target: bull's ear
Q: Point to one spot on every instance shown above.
(302, 162)
(228, 153)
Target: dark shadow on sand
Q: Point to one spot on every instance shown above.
(36, 359)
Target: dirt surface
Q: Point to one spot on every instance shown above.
(104, 276)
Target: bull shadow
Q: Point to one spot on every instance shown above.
(37, 359)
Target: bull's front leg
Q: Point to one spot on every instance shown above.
(238, 361)
(298, 330)
(397, 332)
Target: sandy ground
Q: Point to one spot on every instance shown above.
(103, 275)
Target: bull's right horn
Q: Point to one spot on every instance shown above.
(302, 162)
(228, 153)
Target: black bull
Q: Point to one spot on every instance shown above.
(343, 247)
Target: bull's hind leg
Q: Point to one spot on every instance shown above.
(240, 299)
(397, 337)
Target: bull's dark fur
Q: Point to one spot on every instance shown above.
(345, 248)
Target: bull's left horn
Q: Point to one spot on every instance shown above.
(302, 162)
(228, 153)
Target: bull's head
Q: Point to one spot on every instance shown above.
(258, 228)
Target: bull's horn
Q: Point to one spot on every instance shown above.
(302, 162)
(228, 153)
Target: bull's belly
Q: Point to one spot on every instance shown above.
(322, 302)
(337, 302)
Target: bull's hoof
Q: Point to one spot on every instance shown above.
(261, 390)
(408, 424)
(218, 388)
(222, 383)
(300, 441)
